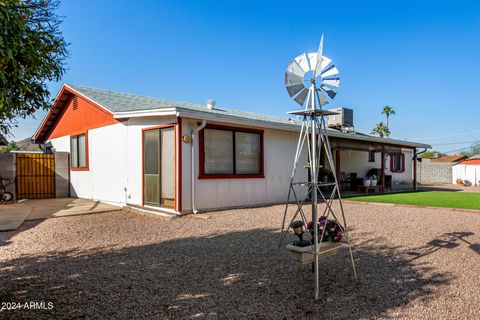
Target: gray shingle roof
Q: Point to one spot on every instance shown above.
(117, 102)
(122, 102)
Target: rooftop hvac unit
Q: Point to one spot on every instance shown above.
(343, 118)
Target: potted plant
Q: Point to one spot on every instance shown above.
(332, 235)
(373, 180)
(366, 181)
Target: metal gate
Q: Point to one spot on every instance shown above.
(35, 176)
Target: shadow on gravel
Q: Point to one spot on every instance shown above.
(233, 275)
(446, 241)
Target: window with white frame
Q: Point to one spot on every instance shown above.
(78, 151)
(231, 152)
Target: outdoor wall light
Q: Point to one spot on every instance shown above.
(187, 139)
(298, 229)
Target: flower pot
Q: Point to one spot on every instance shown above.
(304, 255)
(373, 183)
(366, 183)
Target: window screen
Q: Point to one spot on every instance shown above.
(78, 151)
(74, 152)
(218, 151)
(247, 153)
(230, 152)
(397, 162)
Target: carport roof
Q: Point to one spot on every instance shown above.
(125, 105)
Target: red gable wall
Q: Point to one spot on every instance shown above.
(87, 116)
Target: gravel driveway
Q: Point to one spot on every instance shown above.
(412, 263)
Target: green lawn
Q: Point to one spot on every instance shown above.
(444, 199)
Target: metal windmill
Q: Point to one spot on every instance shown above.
(311, 79)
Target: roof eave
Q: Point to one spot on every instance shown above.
(181, 112)
(145, 113)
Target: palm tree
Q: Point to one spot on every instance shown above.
(381, 130)
(387, 111)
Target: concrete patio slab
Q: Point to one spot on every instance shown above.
(12, 216)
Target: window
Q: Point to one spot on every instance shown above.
(397, 162)
(78, 151)
(371, 156)
(231, 153)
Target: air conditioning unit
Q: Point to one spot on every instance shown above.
(342, 120)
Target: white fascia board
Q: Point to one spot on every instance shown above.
(185, 113)
(145, 113)
(49, 111)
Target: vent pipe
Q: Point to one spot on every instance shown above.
(210, 104)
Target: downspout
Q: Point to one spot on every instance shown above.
(194, 132)
(415, 156)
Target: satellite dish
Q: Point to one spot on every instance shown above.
(312, 71)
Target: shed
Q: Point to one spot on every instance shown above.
(468, 171)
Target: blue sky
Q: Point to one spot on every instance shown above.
(421, 58)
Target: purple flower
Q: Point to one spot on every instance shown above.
(338, 236)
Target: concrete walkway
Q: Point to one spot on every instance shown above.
(12, 216)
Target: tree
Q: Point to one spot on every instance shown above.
(32, 52)
(431, 154)
(381, 130)
(387, 111)
(10, 147)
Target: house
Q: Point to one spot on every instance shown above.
(437, 170)
(183, 157)
(450, 159)
(468, 171)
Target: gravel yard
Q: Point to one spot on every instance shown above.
(412, 263)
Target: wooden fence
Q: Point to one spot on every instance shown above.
(35, 176)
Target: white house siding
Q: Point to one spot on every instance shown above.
(106, 178)
(279, 153)
(115, 167)
(402, 180)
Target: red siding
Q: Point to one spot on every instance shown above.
(471, 161)
(85, 117)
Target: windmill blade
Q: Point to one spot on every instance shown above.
(302, 61)
(291, 78)
(325, 62)
(335, 82)
(329, 91)
(321, 98)
(300, 98)
(295, 68)
(294, 89)
(318, 65)
(313, 60)
(330, 71)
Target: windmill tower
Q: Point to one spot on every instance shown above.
(311, 80)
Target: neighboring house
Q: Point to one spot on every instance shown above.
(468, 171)
(450, 159)
(150, 152)
(437, 170)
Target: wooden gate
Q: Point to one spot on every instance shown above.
(35, 175)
